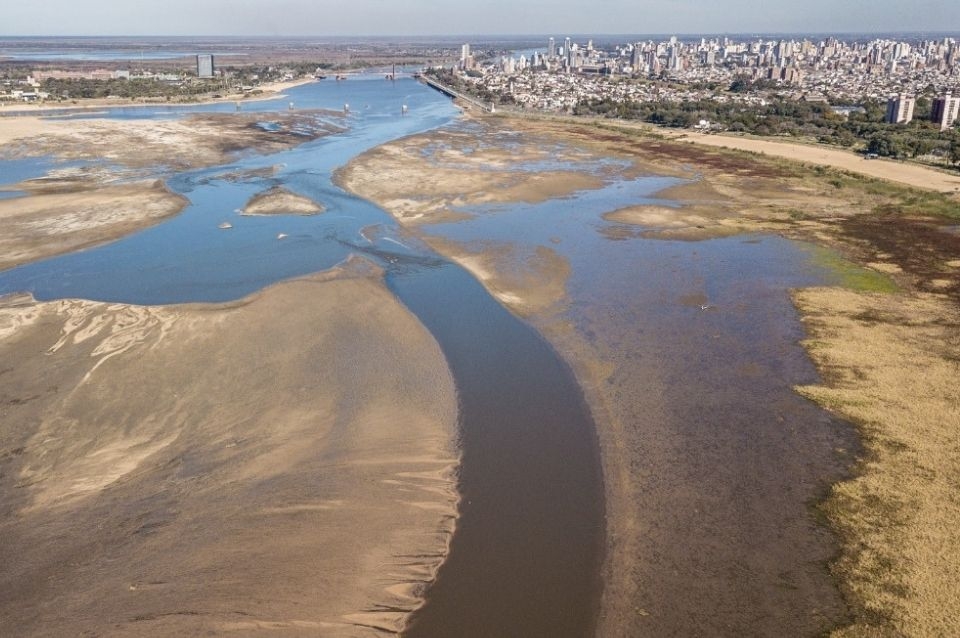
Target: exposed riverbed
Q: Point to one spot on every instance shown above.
(524, 429)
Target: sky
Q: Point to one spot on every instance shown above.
(465, 17)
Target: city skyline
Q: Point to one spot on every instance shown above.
(428, 17)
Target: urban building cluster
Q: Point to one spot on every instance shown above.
(944, 111)
(565, 72)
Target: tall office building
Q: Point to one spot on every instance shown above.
(551, 48)
(566, 47)
(945, 110)
(466, 60)
(636, 58)
(205, 66)
(674, 62)
(900, 109)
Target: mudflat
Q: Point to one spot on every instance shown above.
(709, 518)
(280, 464)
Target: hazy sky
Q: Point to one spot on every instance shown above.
(432, 17)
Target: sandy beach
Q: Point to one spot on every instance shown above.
(899, 172)
(729, 193)
(148, 452)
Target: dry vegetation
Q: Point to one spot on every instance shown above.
(891, 363)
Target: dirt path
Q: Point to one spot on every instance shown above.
(900, 172)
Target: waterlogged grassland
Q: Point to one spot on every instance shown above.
(885, 339)
(851, 275)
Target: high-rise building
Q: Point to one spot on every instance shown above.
(551, 48)
(653, 62)
(205, 66)
(674, 62)
(945, 110)
(466, 60)
(636, 58)
(900, 109)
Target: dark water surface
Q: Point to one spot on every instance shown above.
(523, 561)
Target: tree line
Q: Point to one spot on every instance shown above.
(865, 131)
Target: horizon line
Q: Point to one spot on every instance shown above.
(915, 32)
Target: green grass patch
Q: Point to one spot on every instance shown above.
(922, 203)
(850, 275)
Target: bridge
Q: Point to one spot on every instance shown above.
(446, 90)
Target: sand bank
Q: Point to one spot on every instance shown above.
(280, 201)
(76, 207)
(280, 464)
(193, 141)
(453, 170)
(899, 172)
(53, 223)
(527, 282)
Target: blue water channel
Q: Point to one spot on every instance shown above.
(189, 258)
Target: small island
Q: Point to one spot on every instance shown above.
(280, 201)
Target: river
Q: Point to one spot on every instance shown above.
(527, 552)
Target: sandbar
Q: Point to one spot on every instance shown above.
(282, 464)
(280, 201)
(52, 223)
